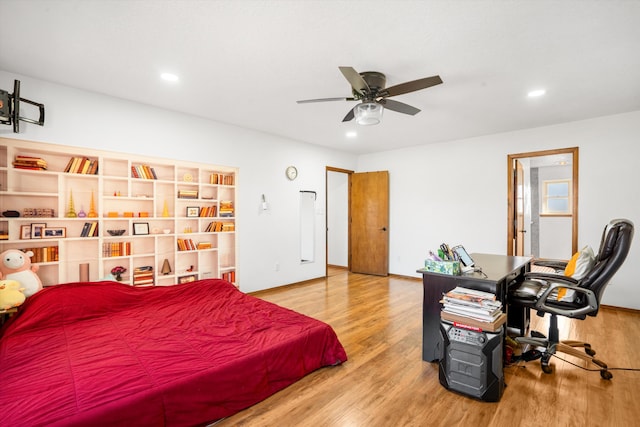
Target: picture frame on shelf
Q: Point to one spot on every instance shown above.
(36, 229)
(25, 232)
(193, 211)
(140, 228)
(187, 279)
(54, 232)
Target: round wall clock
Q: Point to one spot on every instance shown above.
(292, 172)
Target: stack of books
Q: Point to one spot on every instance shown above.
(29, 162)
(143, 276)
(473, 308)
(226, 208)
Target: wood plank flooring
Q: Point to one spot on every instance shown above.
(386, 383)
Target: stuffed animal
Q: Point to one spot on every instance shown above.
(16, 265)
(10, 294)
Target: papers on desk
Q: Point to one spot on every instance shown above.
(462, 303)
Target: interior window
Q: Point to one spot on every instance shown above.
(556, 196)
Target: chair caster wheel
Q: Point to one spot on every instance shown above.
(548, 369)
(606, 374)
(590, 352)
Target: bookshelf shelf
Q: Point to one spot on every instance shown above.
(115, 198)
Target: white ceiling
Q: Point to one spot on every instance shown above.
(247, 62)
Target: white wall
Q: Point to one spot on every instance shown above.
(84, 119)
(452, 192)
(456, 192)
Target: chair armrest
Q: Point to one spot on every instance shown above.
(532, 275)
(590, 306)
(555, 264)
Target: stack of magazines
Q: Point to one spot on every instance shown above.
(469, 303)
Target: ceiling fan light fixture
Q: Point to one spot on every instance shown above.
(368, 113)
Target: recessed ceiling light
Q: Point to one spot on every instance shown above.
(352, 134)
(536, 93)
(169, 77)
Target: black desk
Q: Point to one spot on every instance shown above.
(500, 271)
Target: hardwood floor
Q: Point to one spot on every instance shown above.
(386, 383)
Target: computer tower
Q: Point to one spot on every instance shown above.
(472, 362)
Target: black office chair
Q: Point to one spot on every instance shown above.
(539, 291)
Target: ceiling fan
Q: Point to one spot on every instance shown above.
(369, 87)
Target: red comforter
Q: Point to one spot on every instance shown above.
(106, 354)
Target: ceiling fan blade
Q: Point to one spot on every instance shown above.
(350, 115)
(411, 86)
(307, 101)
(355, 80)
(399, 107)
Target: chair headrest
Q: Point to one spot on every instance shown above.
(612, 232)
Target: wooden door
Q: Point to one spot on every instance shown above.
(369, 223)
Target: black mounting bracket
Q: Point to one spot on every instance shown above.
(10, 108)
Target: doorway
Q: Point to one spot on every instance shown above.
(357, 221)
(542, 193)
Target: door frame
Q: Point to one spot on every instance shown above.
(326, 217)
(574, 151)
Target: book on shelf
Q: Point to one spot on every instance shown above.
(116, 249)
(29, 162)
(187, 194)
(229, 276)
(143, 276)
(186, 245)
(226, 208)
(90, 229)
(143, 171)
(219, 178)
(82, 165)
(43, 254)
(208, 211)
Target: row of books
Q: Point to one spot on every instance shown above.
(472, 307)
(143, 171)
(189, 245)
(90, 229)
(38, 213)
(186, 245)
(116, 249)
(229, 276)
(218, 178)
(218, 226)
(82, 165)
(226, 208)
(208, 211)
(29, 162)
(143, 276)
(43, 254)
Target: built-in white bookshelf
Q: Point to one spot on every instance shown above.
(159, 203)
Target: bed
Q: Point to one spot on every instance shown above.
(106, 354)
